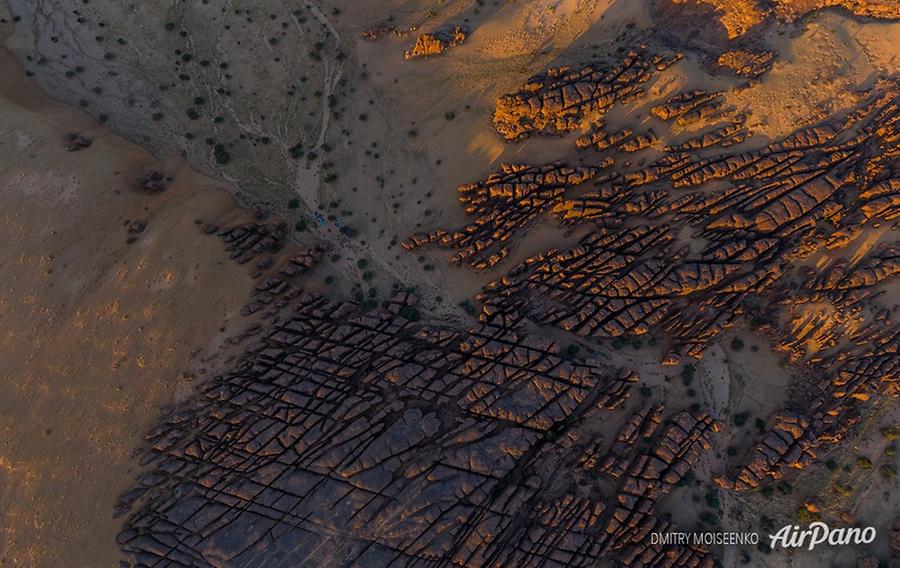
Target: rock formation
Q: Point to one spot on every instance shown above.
(436, 43)
(561, 99)
(76, 141)
(422, 443)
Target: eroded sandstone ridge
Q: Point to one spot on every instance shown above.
(379, 441)
(817, 189)
(708, 232)
(436, 43)
(504, 203)
(558, 101)
(670, 217)
(738, 17)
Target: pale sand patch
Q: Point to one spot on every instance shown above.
(95, 334)
(817, 74)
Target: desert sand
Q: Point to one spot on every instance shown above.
(97, 335)
(586, 268)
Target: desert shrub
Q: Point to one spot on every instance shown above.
(410, 313)
(687, 374)
(221, 154)
(805, 516)
(712, 499)
(842, 489)
(741, 418)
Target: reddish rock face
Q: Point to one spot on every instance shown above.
(506, 202)
(782, 203)
(377, 435)
(750, 64)
(759, 212)
(436, 43)
(561, 100)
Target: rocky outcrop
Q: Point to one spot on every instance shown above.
(152, 181)
(300, 263)
(436, 43)
(561, 100)
(795, 9)
(721, 136)
(648, 476)
(750, 64)
(244, 242)
(786, 444)
(76, 141)
(738, 17)
(782, 202)
(687, 104)
(505, 202)
(339, 420)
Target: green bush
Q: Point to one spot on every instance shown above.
(221, 154)
(741, 418)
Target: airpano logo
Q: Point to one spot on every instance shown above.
(789, 536)
(792, 536)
